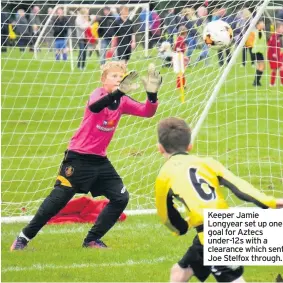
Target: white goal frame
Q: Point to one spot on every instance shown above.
(224, 75)
(205, 112)
(66, 6)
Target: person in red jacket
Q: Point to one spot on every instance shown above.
(181, 46)
(274, 55)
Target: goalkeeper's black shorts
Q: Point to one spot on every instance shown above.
(89, 173)
(193, 258)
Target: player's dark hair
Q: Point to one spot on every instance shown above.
(174, 135)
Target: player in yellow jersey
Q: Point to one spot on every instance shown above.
(198, 184)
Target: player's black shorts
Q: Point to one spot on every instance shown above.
(89, 173)
(259, 57)
(124, 52)
(194, 259)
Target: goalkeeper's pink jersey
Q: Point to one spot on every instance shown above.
(97, 129)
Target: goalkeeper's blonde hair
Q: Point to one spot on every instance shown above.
(111, 65)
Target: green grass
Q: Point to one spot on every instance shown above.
(42, 106)
(142, 250)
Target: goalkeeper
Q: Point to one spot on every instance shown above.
(85, 167)
(198, 184)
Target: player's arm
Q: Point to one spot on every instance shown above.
(98, 104)
(243, 189)
(166, 210)
(135, 108)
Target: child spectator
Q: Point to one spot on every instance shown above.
(166, 54)
(60, 28)
(274, 56)
(259, 50)
(21, 28)
(181, 46)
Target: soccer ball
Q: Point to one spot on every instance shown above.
(218, 34)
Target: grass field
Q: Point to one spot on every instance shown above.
(42, 105)
(142, 250)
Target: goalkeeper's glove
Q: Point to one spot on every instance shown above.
(152, 83)
(126, 85)
(153, 80)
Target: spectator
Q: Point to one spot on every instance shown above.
(4, 31)
(155, 29)
(60, 27)
(165, 53)
(202, 20)
(82, 23)
(21, 28)
(242, 23)
(248, 47)
(49, 31)
(259, 50)
(126, 40)
(189, 21)
(274, 55)
(114, 13)
(221, 14)
(94, 44)
(142, 19)
(279, 15)
(35, 25)
(105, 31)
(171, 24)
(181, 46)
(181, 42)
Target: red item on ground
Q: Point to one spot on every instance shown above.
(81, 210)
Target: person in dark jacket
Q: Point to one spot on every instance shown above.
(4, 31)
(171, 24)
(124, 34)
(105, 32)
(189, 20)
(22, 30)
(60, 33)
(35, 26)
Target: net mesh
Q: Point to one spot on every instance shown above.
(43, 98)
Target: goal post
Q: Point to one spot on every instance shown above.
(43, 102)
(227, 70)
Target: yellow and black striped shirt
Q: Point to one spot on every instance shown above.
(198, 184)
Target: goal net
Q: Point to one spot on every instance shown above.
(43, 98)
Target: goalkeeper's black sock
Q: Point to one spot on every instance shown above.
(57, 199)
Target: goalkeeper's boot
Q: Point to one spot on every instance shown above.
(94, 244)
(19, 244)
